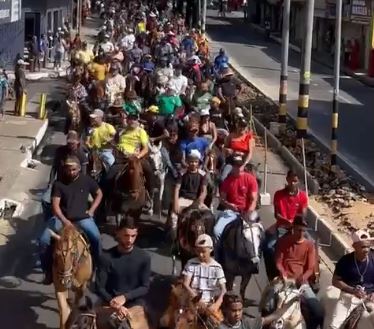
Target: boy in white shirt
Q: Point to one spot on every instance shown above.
(203, 275)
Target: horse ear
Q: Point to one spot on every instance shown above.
(54, 235)
(197, 298)
(89, 303)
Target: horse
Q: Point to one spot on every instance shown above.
(74, 117)
(72, 268)
(240, 251)
(360, 315)
(192, 222)
(128, 191)
(147, 88)
(104, 317)
(97, 95)
(95, 167)
(159, 168)
(182, 311)
(286, 294)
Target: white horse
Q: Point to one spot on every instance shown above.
(348, 302)
(160, 170)
(287, 293)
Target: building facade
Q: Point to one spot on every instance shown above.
(46, 15)
(11, 31)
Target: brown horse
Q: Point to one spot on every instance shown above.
(97, 94)
(129, 193)
(72, 268)
(88, 317)
(147, 89)
(182, 311)
(191, 223)
(95, 167)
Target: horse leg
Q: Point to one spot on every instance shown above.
(161, 192)
(244, 284)
(79, 293)
(63, 306)
(229, 281)
(118, 219)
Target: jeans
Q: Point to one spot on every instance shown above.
(107, 157)
(87, 225)
(226, 217)
(226, 171)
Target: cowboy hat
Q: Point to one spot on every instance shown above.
(227, 71)
(118, 102)
(131, 94)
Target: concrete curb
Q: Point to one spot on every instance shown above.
(35, 143)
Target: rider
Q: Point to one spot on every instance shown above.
(240, 141)
(354, 276)
(107, 46)
(133, 140)
(98, 68)
(288, 203)
(84, 55)
(238, 195)
(115, 84)
(101, 137)
(207, 127)
(124, 271)
(295, 258)
(191, 188)
(168, 102)
(69, 205)
(179, 81)
(193, 141)
(204, 275)
(220, 60)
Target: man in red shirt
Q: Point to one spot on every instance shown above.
(239, 192)
(295, 258)
(288, 203)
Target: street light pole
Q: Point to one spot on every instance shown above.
(79, 14)
(203, 17)
(335, 100)
(303, 103)
(282, 115)
(199, 13)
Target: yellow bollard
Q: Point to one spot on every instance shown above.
(22, 110)
(42, 111)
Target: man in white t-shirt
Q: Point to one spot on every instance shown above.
(179, 81)
(107, 46)
(203, 275)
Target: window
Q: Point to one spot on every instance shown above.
(49, 21)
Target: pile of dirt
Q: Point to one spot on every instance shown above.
(340, 199)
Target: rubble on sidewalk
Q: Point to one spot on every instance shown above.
(346, 201)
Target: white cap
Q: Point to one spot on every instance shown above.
(97, 114)
(360, 235)
(204, 241)
(205, 111)
(238, 112)
(194, 154)
(152, 14)
(22, 62)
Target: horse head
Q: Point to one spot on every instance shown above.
(288, 310)
(68, 251)
(132, 179)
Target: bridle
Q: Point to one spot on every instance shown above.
(91, 325)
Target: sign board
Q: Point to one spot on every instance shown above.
(361, 11)
(5, 11)
(10, 11)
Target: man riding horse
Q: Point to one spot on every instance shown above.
(69, 206)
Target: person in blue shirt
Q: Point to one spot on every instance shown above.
(4, 85)
(220, 60)
(148, 64)
(193, 142)
(188, 45)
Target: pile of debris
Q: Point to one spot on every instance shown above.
(337, 190)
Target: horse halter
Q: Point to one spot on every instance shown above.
(89, 321)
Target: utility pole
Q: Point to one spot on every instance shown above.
(335, 100)
(203, 17)
(199, 13)
(282, 115)
(304, 84)
(79, 15)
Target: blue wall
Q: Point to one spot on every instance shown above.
(11, 41)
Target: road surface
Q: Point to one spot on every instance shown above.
(259, 61)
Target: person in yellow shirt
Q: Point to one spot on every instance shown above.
(99, 69)
(84, 55)
(100, 138)
(133, 140)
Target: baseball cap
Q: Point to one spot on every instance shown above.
(205, 111)
(360, 235)
(153, 109)
(237, 158)
(97, 114)
(215, 100)
(238, 112)
(72, 136)
(71, 160)
(204, 241)
(194, 154)
(22, 62)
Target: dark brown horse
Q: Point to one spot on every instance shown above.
(128, 192)
(95, 166)
(74, 117)
(147, 88)
(191, 223)
(97, 94)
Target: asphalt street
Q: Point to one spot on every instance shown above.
(259, 60)
(27, 304)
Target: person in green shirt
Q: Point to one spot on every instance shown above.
(168, 102)
(132, 103)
